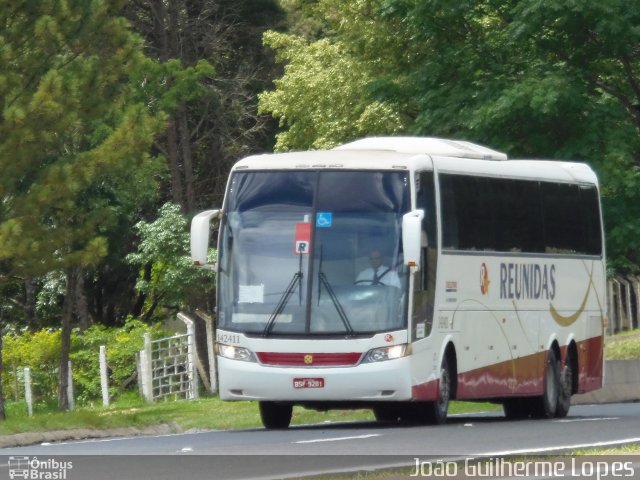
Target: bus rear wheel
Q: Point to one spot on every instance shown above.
(275, 416)
(547, 405)
(565, 387)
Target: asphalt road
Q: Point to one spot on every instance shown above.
(302, 450)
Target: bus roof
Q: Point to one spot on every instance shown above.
(416, 153)
(427, 145)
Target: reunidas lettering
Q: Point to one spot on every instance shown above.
(527, 281)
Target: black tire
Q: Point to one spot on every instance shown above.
(438, 409)
(547, 405)
(275, 416)
(565, 387)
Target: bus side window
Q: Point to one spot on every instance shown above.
(424, 293)
(426, 200)
(448, 206)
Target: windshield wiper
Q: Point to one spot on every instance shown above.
(296, 280)
(336, 303)
(332, 295)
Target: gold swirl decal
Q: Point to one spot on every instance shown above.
(565, 321)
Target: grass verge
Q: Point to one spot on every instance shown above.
(623, 346)
(201, 414)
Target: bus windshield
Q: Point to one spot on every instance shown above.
(311, 253)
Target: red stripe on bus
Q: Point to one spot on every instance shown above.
(309, 359)
(520, 376)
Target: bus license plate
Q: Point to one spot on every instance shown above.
(308, 383)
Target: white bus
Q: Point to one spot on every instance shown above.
(490, 286)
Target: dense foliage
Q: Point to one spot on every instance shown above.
(40, 351)
(548, 78)
(167, 274)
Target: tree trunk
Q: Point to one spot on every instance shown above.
(160, 28)
(187, 157)
(30, 305)
(149, 313)
(138, 307)
(162, 32)
(67, 315)
(80, 300)
(3, 415)
(177, 189)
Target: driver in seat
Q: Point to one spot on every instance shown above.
(378, 273)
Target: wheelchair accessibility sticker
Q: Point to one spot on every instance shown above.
(324, 219)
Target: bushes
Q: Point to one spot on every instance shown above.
(41, 352)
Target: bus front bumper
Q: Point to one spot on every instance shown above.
(381, 381)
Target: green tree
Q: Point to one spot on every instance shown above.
(597, 45)
(543, 78)
(167, 276)
(321, 99)
(38, 350)
(123, 343)
(344, 85)
(211, 67)
(546, 79)
(70, 140)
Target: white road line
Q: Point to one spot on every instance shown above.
(338, 439)
(568, 420)
(559, 447)
(118, 439)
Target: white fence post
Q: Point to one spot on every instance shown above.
(619, 307)
(70, 387)
(627, 306)
(146, 369)
(211, 356)
(144, 377)
(191, 356)
(27, 390)
(635, 283)
(104, 380)
(613, 317)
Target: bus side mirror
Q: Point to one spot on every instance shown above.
(411, 237)
(200, 227)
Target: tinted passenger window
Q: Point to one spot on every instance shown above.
(506, 215)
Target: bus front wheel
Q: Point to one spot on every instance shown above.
(437, 410)
(275, 416)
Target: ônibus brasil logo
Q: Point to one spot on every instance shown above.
(34, 469)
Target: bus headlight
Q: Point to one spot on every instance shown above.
(235, 353)
(386, 353)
